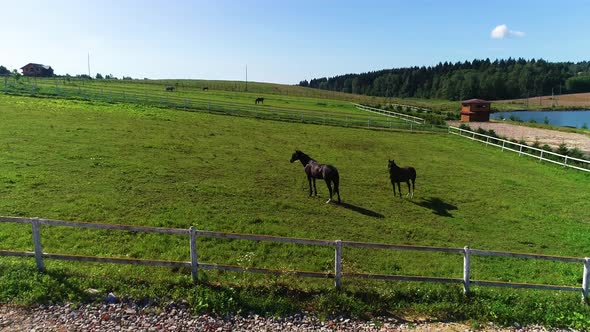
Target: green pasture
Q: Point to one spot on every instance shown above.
(132, 164)
(229, 93)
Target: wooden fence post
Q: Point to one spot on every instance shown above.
(37, 245)
(338, 264)
(585, 279)
(194, 262)
(466, 259)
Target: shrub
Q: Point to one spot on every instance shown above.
(576, 153)
(562, 149)
(465, 126)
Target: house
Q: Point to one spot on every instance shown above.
(37, 70)
(475, 110)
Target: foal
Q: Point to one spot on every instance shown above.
(405, 174)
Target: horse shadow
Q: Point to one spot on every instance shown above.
(362, 210)
(438, 206)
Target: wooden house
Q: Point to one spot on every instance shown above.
(475, 110)
(37, 70)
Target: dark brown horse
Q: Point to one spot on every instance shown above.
(314, 170)
(206, 88)
(259, 100)
(398, 175)
(169, 88)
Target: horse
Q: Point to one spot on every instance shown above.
(206, 88)
(169, 88)
(398, 175)
(314, 171)
(259, 100)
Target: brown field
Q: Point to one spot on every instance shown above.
(575, 100)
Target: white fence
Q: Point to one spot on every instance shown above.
(521, 149)
(193, 234)
(404, 117)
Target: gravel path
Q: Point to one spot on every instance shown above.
(176, 317)
(545, 136)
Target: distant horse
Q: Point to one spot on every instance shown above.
(398, 175)
(314, 170)
(206, 88)
(169, 88)
(259, 100)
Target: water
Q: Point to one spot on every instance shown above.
(576, 119)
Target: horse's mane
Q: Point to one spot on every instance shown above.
(393, 166)
(305, 155)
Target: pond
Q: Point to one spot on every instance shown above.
(577, 119)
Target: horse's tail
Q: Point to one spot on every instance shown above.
(336, 181)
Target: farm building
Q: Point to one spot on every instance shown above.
(37, 70)
(475, 110)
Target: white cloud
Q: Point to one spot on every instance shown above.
(502, 31)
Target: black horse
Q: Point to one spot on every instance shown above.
(206, 88)
(314, 170)
(169, 88)
(398, 175)
(259, 100)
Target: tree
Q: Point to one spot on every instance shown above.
(501, 79)
(4, 71)
(99, 76)
(578, 84)
(16, 75)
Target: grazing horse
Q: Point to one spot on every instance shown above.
(206, 88)
(169, 88)
(398, 175)
(314, 170)
(259, 100)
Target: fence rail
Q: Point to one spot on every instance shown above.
(521, 149)
(401, 116)
(337, 275)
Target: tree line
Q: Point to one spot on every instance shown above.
(493, 80)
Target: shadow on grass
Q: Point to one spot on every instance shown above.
(362, 210)
(438, 206)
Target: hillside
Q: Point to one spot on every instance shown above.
(576, 100)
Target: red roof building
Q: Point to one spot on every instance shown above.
(475, 110)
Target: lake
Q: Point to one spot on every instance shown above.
(576, 119)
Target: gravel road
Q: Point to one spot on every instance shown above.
(177, 317)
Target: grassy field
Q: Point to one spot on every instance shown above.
(140, 165)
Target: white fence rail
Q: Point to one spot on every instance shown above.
(193, 234)
(404, 117)
(521, 149)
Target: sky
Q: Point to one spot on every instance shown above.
(283, 41)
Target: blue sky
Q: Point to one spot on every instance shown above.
(283, 41)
